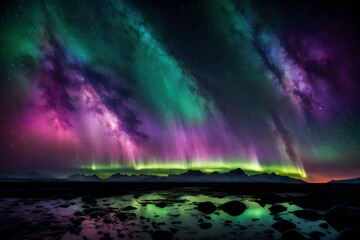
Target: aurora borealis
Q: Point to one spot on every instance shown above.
(163, 86)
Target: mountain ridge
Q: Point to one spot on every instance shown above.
(235, 175)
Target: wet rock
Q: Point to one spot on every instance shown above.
(161, 204)
(292, 235)
(324, 225)
(206, 207)
(272, 198)
(349, 234)
(64, 205)
(162, 235)
(76, 222)
(78, 213)
(129, 208)
(122, 216)
(205, 225)
(307, 215)
(97, 214)
(173, 230)
(283, 226)
(317, 234)
(269, 231)
(90, 210)
(89, 200)
(106, 237)
(275, 209)
(107, 221)
(75, 229)
(233, 208)
(341, 217)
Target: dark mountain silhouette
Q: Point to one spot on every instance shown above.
(82, 177)
(273, 177)
(26, 176)
(353, 180)
(236, 175)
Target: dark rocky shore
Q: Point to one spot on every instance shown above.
(179, 211)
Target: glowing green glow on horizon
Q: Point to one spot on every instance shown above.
(175, 167)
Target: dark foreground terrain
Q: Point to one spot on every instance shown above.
(93, 210)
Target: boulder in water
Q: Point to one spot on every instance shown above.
(233, 208)
(206, 207)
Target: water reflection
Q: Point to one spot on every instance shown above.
(174, 211)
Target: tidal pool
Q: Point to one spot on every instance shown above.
(138, 215)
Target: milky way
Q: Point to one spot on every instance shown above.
(164, 86)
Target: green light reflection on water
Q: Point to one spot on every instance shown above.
(256, 219)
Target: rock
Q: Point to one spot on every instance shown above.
(162, 235)
(129, 208)
(97, 214)
(269, 231)
(292, 235)
(89, 200)
(122, 216)
(78, 213)
(90, 210)
(107, 221)
(233, 208)
(272, 198)
(173, 230)
(64, 206)
(206, 207)
(205, 225)
(341, 217)
(106, 237)
(275, 209)
(283, 226)
(120, 235)
(161, 204)
(307, 215)
(349, 234)
(317, 234)
(324, 225)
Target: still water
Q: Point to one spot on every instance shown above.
(138, 215)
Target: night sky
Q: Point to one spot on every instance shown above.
(160, 87)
